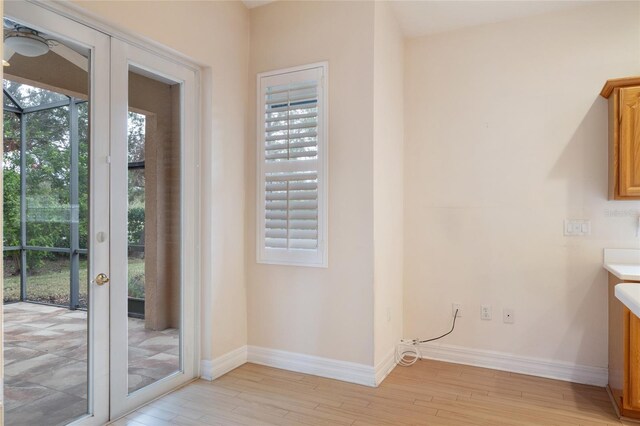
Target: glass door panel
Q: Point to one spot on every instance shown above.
(52, 353)
(153, 313)
(77, 203)
(154, 285)
(41, 193)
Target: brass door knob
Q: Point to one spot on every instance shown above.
(101, 279)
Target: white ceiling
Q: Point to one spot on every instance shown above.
(255, 3)
(422, 17)
(418, 18)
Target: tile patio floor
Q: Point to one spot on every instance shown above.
(45, 354)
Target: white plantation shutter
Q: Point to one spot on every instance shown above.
(292, 154)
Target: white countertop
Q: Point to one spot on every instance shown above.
(624, 272)
(629, 294)
(623, 263)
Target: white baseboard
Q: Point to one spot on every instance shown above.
(372, 376)
(384, 367)
(309, 364)
(585, 374)
(212, 369)
(324, 367)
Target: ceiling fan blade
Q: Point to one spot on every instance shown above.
(71, 56)
(7, 54)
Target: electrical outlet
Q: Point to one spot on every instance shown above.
(485, 312)
(456, 307)
(508, 316)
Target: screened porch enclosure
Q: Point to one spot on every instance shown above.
(46, 198)
(45, 166)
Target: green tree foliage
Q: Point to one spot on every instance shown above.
(136, 125)
(11, 179)
(48, 172)
(48, 175)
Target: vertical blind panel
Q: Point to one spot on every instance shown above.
(291, 122)
(291, 210)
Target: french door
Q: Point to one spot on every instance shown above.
(141, 214)
(154, 173)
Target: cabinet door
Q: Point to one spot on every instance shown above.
(632, 362)
(629, 154)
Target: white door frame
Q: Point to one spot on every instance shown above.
(54, 18)
(98, 312)
(124, 56)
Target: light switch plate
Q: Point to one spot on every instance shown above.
(577, 228)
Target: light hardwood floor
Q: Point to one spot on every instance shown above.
(427, 393)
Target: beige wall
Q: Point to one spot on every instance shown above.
(160, 103)
(216, 35)
(388, 142)
(506, 137)
(326, 312)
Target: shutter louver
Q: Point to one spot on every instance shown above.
(292, 171)
(291, 194)
(291, 211)
(291, 122)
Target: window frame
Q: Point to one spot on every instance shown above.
(293, 257)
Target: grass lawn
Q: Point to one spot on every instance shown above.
(50, 284)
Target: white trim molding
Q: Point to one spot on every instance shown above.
(212, 369)
(373, 376)
(276, 248)
(384, 367)
(309, 364)
(569, 372)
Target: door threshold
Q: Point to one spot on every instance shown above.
(154, 400)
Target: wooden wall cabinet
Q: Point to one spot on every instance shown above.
(624, 355)
(624, 137)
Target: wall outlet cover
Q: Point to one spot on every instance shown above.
(508, 316)
(485, 312)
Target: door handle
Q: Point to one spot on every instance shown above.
(101, 279)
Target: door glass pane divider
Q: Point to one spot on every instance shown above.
(12, 99)
(57, 305)
(53, 105)
(49, 249)
(74, 232)
(12, 109)
(23, 206)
